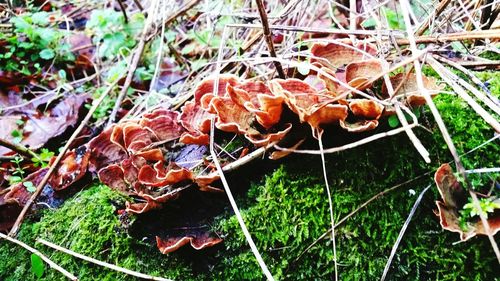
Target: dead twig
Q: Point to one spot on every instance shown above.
(101, 263)
(350, 145)
(136, 56)
(19, 148)
(122, 7)
(42, 256)
(449, 37)
(53, 167)
(269, 38)
(483, 64)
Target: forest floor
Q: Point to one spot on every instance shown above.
(97, 83)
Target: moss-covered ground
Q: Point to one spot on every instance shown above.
(286, 210)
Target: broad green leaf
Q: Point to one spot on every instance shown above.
(30, 187)
(37, 266)
(62, 74)
(40, 18)
(303, 68)
(393, 121)
(47, 54)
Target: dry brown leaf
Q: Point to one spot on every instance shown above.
(454, 198)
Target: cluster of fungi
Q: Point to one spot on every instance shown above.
(135, 156)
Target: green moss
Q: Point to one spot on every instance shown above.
(88, 224)
(492, 78)
(289, 211)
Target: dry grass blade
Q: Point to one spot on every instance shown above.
(134, 62)
(100, 263)
(330, 205)
(402, 119)
(449, 37)
(350, 145)
(451, 79)
(479, 95)
(439, 9)
(402, 232)
(43, 257)
(418, 70)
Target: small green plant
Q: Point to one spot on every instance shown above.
(37, 266)
(394, 19)
(33, 43)
(18, 173)
(30, 187)
(487, 205)
(393, 120)
(105, 107)
(42, 160)
(112, 33)
(17, 136)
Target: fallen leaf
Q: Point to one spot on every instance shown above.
(39, 127)
(454, 198)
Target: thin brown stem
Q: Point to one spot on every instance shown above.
(139, 5)
(19, 148)
(457, 36)
(122, 7)
(269, 38)
(128, 80)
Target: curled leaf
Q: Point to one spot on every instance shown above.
(73, 167)
(453, 200)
